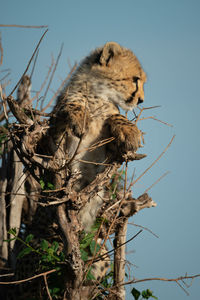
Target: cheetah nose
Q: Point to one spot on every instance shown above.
(140, 100)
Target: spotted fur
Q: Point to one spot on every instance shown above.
(88, 109)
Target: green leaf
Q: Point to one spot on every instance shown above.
(50, 258)
(62, 256)
(84, 255)
(24, 252)
(113, 196)
(146, 294)
(43, 258)
(136, 294)
(55, 246)
(44, 245)
(29, 238)
(3, 137)
(47, 258)
(90, 276)
(94, 247)
(42, 183)
(97, 223)
(50, 186)
(58, 268)
(86, 240)
(50, 251)
(54, 291)
(107, 281)
(12, 231)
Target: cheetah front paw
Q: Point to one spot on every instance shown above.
(73, 117)
(128, 138)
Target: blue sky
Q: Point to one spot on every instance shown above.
(165, 35)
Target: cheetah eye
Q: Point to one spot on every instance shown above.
(135, 79)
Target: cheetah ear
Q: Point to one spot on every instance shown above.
(110, 50)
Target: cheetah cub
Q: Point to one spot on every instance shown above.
(87, 112)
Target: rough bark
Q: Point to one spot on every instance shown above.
(120, 259)
(3, 227)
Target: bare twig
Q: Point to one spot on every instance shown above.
(29, 61)
(56, 202)
(177, 280)
(34, 64)
(93, 163)
(182, 288)
(44, 83)
(155, 161)
(52, 75)
(5, 113)
(141, 109)
(1, 51)
(161, 177)
(155, 119)
(1, 93)
(5, 76)
(99, 257)
(60, 88)
(46, 285)
(150, 107)
(29, 278)
(100, 144)
(164, 279)
(23, 26)
(145, 228)
(7, 275)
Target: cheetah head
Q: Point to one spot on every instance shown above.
(122, 72)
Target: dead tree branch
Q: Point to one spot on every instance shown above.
(51, 78)
(35, 51)
(24, 26)
(177, 280)
(28, 279)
